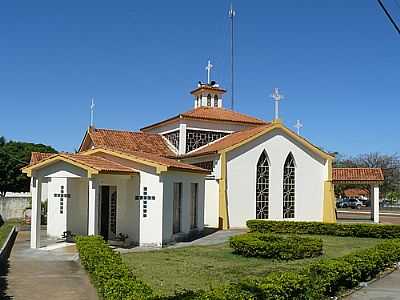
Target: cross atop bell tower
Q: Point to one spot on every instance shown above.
(208, 94)
(208, 68)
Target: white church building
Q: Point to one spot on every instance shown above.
(209, 166)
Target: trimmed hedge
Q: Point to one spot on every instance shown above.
(110, 275)
(319, 280)
(354, 230)
(276, 246)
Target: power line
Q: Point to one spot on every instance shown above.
(389, 16)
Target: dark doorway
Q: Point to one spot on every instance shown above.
(177, 201)
(105, 211)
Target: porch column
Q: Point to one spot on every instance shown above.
(93, 199)
(36, 190)
(374, 203)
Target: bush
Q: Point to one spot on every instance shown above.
(110, 275)
(324, 278)
(319, 280)
(354, 230)
(276, 246)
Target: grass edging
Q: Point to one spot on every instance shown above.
(8, 244)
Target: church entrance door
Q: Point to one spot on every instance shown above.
(108, 211)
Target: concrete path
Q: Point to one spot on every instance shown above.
(40, 274)
(387, 288)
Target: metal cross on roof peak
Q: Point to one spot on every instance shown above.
(277, 97)
(298, 126)
(208, 68)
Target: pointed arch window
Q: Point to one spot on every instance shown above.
(289, 187)
(262, 187)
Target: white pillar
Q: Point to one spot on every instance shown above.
(182, 138)
(93, 199)
(375, 203)
(36, 190)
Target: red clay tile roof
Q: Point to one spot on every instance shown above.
(228, 140)
(357, 174)
(38, 156)
(130, 141)
(208, 87)
(356, 192)
(99, 163)
(168, 162)
(214, 114)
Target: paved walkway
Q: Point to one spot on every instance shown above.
(40, 274)
(386, 288)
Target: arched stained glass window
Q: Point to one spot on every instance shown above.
(289, 187)
(208, 100)
(262, 187)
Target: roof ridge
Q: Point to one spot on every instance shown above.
(105, 159)
(126, 131)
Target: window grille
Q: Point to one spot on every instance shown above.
(262, 187)
(289, 187)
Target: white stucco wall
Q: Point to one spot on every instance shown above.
(211, 203)
(186, 178)
(77, 206)
(56, 222)
(151, 225)
(241, 177)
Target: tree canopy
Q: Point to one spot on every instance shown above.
(14, 156)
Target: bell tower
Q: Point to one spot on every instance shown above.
(209, 95)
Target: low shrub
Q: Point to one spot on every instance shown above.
(318, 280)
(110, 275)
(354, 230)
(276, 246)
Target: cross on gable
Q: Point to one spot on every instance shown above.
(298, 126)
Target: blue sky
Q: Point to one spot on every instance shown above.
(337, 63)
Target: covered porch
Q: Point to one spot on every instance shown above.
(370, 177)
(85, 196)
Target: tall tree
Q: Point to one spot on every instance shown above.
(14, 156)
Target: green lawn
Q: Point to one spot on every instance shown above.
(4, 231)
(202, 267)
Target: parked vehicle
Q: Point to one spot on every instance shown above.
(355, 203)
(342, 203)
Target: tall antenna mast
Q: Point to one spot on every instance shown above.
(232, 14)
(92, 113)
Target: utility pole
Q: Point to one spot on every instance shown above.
(232, 15)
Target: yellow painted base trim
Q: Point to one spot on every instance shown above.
(223, 207)
(329, 213)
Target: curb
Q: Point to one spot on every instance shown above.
(367, 213)
(8, 244)
(363, 285)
